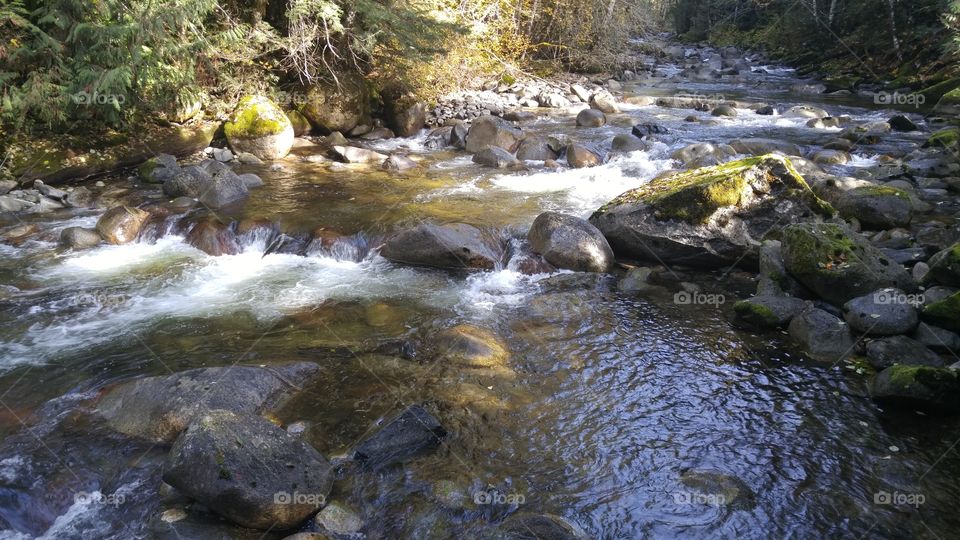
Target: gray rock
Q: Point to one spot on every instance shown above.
(6, 186)
(759, 147)
(591, 118)
(936, 294)
(13, 204)
(251, 180)
(534, 148)
(415, 432)
(831, 157)
(571, 243)
(339, 519)
(920, 271)
(492, 131)
(806, 111)
(885, 312)
(918, 387)
(225, 188)
(767, 312)
(945, 267)
(398, 163)
(249, 159)
(885, 352)
(604, 102)
(628, 143)
(79, 238)
(248, 470)
(455, 246)
(902, 123)
(353, 154)
(223, 155)
(876, 207)
(724, 110)
(937, 338)
(495, 157)
(822, 336)
(703, 154)
(520, 116)
(774, 274)
(190, 182)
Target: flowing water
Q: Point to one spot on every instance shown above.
(612, 396)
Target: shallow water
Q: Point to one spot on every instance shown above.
(612, 395)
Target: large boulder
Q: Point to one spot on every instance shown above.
(260, 127)
(604, 102)
(886, 312)
(492, 131)
(709, 217)
(821, 335)
(591, 118)
(579, 156)
(79, 238)
(191, 182)
(248, 470)
(455, 245)
(570, 242)
(838, 264)
(158, 169)
(224, 188)
(536, 148)
(944, 313)
(918, 387)
(301, 126)
(879, 207)
(945, 267)
(949, 104)
(337, 105)
(121, 224)
(415, 432)
(159, 408)
(405, 116)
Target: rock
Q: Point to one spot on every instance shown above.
(824, 123)
(627, 143)
(492, 131)
(944, 313)
(774, 275)
(767, 110)
(520, 116)
(398, 163)
(806, 111)
(757, 146)
(723, 110)
(648, 128)
(121, 224)
(822, 336)
(458, 136)
(552, 100)
(936, 338)
(299, 122)
(213, 238)
(454, 246)
(6, 186)
(158, 169)
(191, 182)
(580, 92)
(352, 154)
(413, 433)
(831, 157)
(944, 138)
(902, 123)
(339, 519)
(79, 238)
(223, 155)
(535, 148)
(159, 408)
(378, 134)
(259, 127)
(603, 102)
(249, 159)
(708, 217)
(885, 352)
(949, 104)
(225, 188)
(526, 526)
(406, 117)
(248, 470)
(836, 263)
(250, 180)
(879, 207)
(571, 243)
(591, 118)
(767, 312)
(335, 139)
(918, 387)
(337, 105)
(495, 157)
(885, 312)
(579, 156)
(945, 267)
(920, 270)
(842, 145)
(703, 154)
(470, 347)
(721, 489)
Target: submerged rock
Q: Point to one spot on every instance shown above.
(470, 346)
(248, 470)
(718, 489)
(571, 243)
(415, 432)
(121, 224)
(259, 127)
(922, 387)
(339, 519)
(539, 527)
(455, 245)
(709, 217)
(821, 335)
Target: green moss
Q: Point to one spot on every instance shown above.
(860, 365)
(945, 313)
(880, 191)
(256, 116)
(694, 196)
(945, 138)
(904, 377)
(756, 314)
(937, 91)
(828, 251)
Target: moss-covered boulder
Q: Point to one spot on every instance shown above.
(337, 105)
(879, 207)
(301, 126)
(838, 264)
(712, 216)
(767, 312)
(918, 387)
(944, 313)
(259, 127)
(945, 267)
(949, 103)
(945, 138)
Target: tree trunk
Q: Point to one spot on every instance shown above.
(893, 29)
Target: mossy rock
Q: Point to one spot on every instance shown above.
(923, 387)
(301, 126)
(945, 267)
(259, 127)
(878, 207)
(945, 138)
(767, 312)
(945, 313)
(937, 91)
(337, 105)
(949, 103)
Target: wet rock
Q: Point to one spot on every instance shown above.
(213, 238)
(824, 123)
(159, 408)
(495, 157)
(337, 105)
(945, 267)
(774, 277)
(353, 154)
(339, 519)
(721, 489)
(121, 224)
(398, 163)
(6, 186)
(13, 204)
(492, 131)
(918, 387)
(767, 312)
(703, 154)
(470, 346)
(806, 111)
(527, 526)
(627, 143)
(838, 264)
(249, 159)
(591, 118)
(648, 128)
(378, 134)
(885, 312)
(708, 217)
(458, 136)
(944, 313)
(831, 157)
(415, 432)
(841, 145)
(879, 207)
(248, 470)
(603, 102)
(821, 335)
(579, 156)
(190, 182)
(79, 238)
(757, 147)
(767, 110)
(158, 169)
(571, 243)
(902, 123)
(520, 116)
(225, 188)
(885, 352)
(250, 180)
(259, 127)
(455, 245)
(724, 110)
(535, 149)
(936, 338)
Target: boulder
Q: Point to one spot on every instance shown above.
(767, 110)
(337, 105)
(121, 224)
(711, 216)
(823, 336)
(831, 157)
(495, 157)
(225, 188)
(945, 267)
(723, 110)
(519, 116)
(774, 278)
(767, 312)
(79, 238)
(571, 243)
(836, 263)
(649, 128)
(949, 104)
(250, 180)
(758, 146)
(299, 122)
(535, 148)
(159, 408)
(190, 182)
(902, 123)
(936, 338)
(353, 154)
(604, 102)
(806, 111)
(944, 313)
(492, 131)
(259, 127)
(378, 134)
(406, 117)
(213, 238)
(469, 346)
(455, 246)
(248, 470)
(886, 312)
(885, 352)
(158, 169)
(415, 432)
(918, 387)
(591, 118)
(579, 156)
(628, 143)
(703, 154)
(398, 163)
(879, 207)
